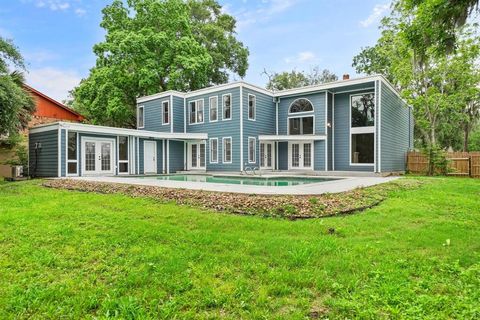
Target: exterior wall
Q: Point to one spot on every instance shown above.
(395, 131)
(153, 115)
(283, 156)
(330, 132)
(63, 152)
(219, 129)
(176, 158)
(341, 129)
(160, 157)
(44, 162)
(45, 108)
(178, 115)
(319, 156)
(263, 124)
(318, 101)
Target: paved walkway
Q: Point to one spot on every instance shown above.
(334, 186)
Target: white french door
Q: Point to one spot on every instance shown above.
(300, 155)
(266, 155)
(98, 156)
(196, 156)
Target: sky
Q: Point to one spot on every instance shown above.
(56, 36)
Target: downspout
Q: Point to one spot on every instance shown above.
(277, 101)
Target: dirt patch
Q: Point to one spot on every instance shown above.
(291, 207)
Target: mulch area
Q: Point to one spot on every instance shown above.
(291, 207)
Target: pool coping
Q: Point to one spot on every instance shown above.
(334, 186)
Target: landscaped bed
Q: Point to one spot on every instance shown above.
(292, 207)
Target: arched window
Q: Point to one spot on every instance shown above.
(300, 105)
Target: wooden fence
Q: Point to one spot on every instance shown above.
(465, 164)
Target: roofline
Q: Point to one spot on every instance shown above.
(59, 104)
(287, 92)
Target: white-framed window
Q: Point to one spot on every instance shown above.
(227, 149)
(213, 103)
(213, 150)
(252, 150)
(300, 105)
(252, 106)
(140, 117)
(301, 125)
(362, 129)
(72, 153)
(123, 155)
(166, 112)
(196, 111)
(227, 106)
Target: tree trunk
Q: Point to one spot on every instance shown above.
(466, 136)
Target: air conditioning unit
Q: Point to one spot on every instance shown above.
(17, 172)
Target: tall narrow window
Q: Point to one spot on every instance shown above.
(72, 154)
(213, 109)
(252, 105)
(227, 150)
(196, 111)
(227, 107)
(166, 112)
(199, 111)
(122, 154)
(213, 150)
(252, 149)
(140, 117)
(362, 129)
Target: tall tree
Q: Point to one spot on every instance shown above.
(152, 46)
(295, 79)
(16, 105)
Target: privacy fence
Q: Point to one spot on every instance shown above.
(463, 164)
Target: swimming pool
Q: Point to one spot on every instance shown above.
(240, 180)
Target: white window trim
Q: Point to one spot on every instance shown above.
(361, 130)
(254, 107)
(143, 117)
(196, 112)
(303, 112)
(210, 150)
(118, 156)
(210, 109)
(254, 149)
(163, 112)
(301, 116)
(223, 107)
(223, 150)
(76, 152)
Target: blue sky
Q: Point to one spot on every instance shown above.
(56, 36)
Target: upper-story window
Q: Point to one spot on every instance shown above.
(363, 110)
(227, 106)
(196, 111)
(362, 129)
(300, 105)
(252, 105)
(166, 112)
(213, 108)
(140, 117)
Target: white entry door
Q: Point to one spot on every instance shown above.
(196, 156)
(149, 157)
(300, 155)
(98, 157)
(266, 155)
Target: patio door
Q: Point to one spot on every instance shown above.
(98, 157)
(266, 155)
(149, 157)
(300, 155)
(196, 156)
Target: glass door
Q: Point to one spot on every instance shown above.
(98, 157)
(197, 156)
(266, 155)
(301, 155)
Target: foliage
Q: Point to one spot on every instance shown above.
(21, 156)
(16, 105)
(474, 142)
(153, 46)
(437, 160)
(296, 79)
(70, 254)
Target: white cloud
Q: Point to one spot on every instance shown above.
(53, 82)
(264, 12)
(59, 5)
(302, 57)
(80, 12)
(40, 56)
(377, 13)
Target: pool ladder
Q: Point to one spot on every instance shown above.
(249, 170)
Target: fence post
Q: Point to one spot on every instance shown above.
(470, 165)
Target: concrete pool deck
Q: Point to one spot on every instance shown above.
(334, 186)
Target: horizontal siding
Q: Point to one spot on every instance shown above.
(44, 162)
(178, 114)
(319, 156)
(154, 116)
(176, 156)
(283, 156)
(63, 155)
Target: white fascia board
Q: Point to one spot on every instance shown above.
(164, 94)
(132, 132)
(291, 137)
(44, 127)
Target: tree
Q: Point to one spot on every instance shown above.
(16, 105)
(295, 79)
(153, 46)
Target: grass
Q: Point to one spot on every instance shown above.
(85, 255)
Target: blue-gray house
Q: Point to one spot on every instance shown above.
(350, 125)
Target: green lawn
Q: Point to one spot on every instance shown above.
(84, 255)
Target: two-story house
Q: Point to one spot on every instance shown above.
(349, 125)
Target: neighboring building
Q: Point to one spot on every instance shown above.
(47, 111)
(350, 125)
